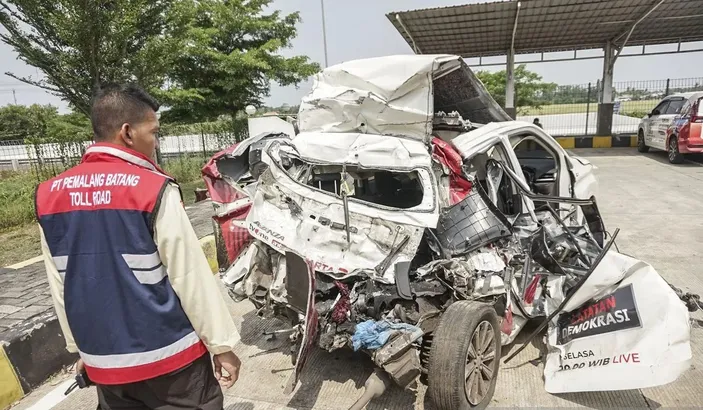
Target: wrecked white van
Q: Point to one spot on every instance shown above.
(409, 218)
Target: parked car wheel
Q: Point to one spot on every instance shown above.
(465, 357)
(641, 146)
(675, 157)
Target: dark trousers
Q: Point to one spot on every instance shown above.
(193, 387)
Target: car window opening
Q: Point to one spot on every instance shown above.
(400, 190)
(538, 166)
(675, 106)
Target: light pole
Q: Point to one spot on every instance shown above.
(324, 30)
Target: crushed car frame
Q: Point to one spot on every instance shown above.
(409, 218)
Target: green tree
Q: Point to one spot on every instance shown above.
(530, 90)
(18, 122)
(79, 44)
(42, 123)
(228, 58)
(574, 94)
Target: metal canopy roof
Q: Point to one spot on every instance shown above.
(486, 29)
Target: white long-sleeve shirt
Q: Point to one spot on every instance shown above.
(188, 272)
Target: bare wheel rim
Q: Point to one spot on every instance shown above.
(480, 358)
(672, 149)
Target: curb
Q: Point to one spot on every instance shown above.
(35, 350)
(617, 141)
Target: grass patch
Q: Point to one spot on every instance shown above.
(186, 170)
(625, 107)
(19, 233)
(17, 190)
(19, 244)
(16, 199)
(188, 190)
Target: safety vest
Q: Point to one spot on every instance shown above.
(98, 219)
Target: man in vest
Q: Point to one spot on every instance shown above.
(131, 286)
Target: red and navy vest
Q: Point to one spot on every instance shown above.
(98, 219)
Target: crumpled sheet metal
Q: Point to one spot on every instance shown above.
(318, 230)
(625, 328)
(399, 358)
(459, 186)
(220, 190)
(233, 228)
(385, 96)
(213, 174)
(363, 150)
(242, 265)
(231, 199)
(395, 95)
(270, 124)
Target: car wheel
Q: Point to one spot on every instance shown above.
(465, 357)
(675, 157)
(641, 146)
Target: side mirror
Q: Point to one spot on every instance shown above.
(654, 112)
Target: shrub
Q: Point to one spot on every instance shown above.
(16, 198)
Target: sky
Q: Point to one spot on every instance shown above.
(359, 29)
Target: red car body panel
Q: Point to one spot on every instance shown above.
(234, 232)
(688, 129)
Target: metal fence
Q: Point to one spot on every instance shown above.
(570, 110)
(181, 149)
(566, 110)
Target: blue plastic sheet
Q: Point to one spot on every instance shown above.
(372, 335)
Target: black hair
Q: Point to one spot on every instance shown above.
(115, 104)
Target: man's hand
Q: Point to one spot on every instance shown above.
(231, 363)
(80, 367)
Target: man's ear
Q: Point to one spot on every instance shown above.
(126, 134)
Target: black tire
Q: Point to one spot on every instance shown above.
(641, 145)
(465, 324)
(675, 157)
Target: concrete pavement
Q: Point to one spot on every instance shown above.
(656, 205)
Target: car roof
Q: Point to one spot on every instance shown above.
(689, 96)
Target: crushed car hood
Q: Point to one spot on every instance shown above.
(395, 95)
